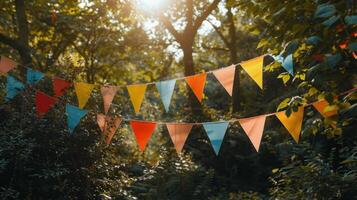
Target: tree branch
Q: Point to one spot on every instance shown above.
(205, 14)
(220, 34)
(168, 25)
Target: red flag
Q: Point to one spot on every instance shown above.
(43, 103)
(143, 132)
(59, 86)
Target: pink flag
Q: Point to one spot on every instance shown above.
(108, 93)
(179, 134)
(226, 77)
(108, 125)
(254, 128)
(6, 65)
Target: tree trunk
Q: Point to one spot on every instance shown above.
(23, 34)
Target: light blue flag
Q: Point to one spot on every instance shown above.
(351, 20)
(166, 89)
(13, 87)
(74, 116)
(33, 76)
(215, 132)
(288, 64)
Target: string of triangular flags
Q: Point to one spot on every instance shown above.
(253, 126)
(225, 77)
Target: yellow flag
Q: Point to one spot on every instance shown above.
(293, 122)
(254, 69)
(83, 91)
(136, 93)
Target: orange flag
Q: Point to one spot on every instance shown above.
(197, 84)
(6, 65)
(179, 134)
(136, 93)
(254, 128)
(143, 131)
(226, 77)
(292, 123)
(321, 105)
(254, 69)
(108, 125)
(108, 93)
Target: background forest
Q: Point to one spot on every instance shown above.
(122, 42)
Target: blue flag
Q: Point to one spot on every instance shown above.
(13, 87)
(288, 64)
(33, 76)
(215, 132)
(166, 89)
(74, 116)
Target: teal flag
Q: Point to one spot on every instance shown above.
(33, 76)
(288, 64)
(166, 89)
(13, 87)
(74, 116)
(215, 132)
(351, 20)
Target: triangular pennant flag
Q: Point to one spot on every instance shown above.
(13, 87)
(288, 64)
(197, 84)
(83, 91)
(292, 123)
(101, 122)
(6, 65)
(254, 128)
(33, 76)
(179, 134)
(108, 93)
(59, 86)
(74, 116)
(136, 93)
(215, 132)
(321, 105)
(226, 77)
(166, 89)
(108, 125)
(43, 103)
(143, 132)
(254, 69)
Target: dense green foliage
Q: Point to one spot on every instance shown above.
(114, 42)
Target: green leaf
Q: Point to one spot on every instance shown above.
(283, 104)
(325, 10)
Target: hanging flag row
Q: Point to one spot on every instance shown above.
(143, 130)
(225, 76)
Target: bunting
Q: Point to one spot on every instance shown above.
(288, 64)
(43, 103)
(226, 77)
(33, 76)
(292, 123)
(74, 116)
(6, 65)
(197, 84)
(254, 69)
(179, 134)
(108, 126)
(108, 93)
(215, 132)
(143, 131)
(59, 86)
(321, 107)
(254, 128)
(83, 91)
(166, 89)
(13, 87)
(136, 93)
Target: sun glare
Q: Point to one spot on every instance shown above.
(150, 5)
